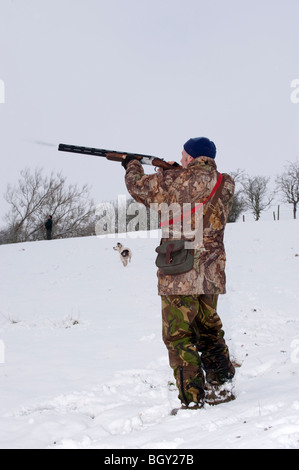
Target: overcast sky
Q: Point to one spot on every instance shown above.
(145, 76)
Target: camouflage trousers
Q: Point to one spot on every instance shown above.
(193, 335)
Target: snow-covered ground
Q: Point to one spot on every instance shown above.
(82, 363)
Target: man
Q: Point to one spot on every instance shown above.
(48, 227)
(192, 329)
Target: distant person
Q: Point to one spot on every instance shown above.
(48, 227)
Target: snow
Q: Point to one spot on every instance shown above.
(83, 365)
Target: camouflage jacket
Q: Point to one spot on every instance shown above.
(182, 186)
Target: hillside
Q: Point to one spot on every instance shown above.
(84, 365)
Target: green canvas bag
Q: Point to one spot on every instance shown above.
(174, 258)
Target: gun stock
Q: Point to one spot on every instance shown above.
(115, 156)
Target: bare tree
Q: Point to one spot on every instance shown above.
(238, 204)
(288, 185)
(5, 236)
(256, 194)
(36, 196)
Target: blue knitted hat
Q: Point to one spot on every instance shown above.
(200, 147)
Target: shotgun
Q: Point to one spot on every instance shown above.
(115, 156)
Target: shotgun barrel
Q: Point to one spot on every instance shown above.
(117, 156)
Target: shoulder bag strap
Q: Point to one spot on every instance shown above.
(212, 200)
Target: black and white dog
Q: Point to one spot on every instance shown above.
(124, 253)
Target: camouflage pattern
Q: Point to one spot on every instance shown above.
(192, 329)
(193, 335)
(190, 185)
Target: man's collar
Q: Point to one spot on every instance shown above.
(206, 162)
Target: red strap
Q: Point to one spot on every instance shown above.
(197, 207)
